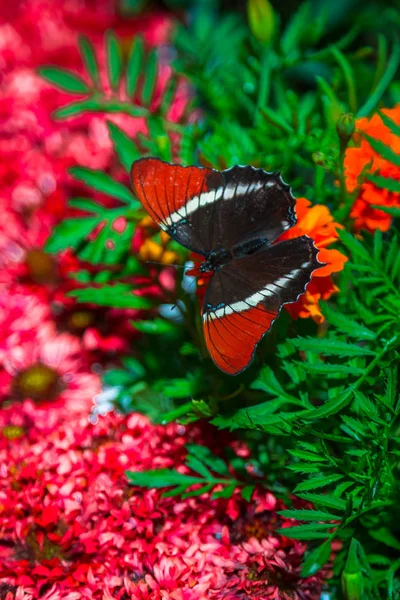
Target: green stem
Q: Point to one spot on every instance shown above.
(265, 79)
(383, 84)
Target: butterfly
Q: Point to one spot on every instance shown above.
(232, 218)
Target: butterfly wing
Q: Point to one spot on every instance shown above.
(245, 296)
(204, 209)
(172, 194)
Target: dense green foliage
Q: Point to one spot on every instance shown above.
(323, 404)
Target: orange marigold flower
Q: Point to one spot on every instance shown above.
(148, 248)
(316, 222)
(363, 158)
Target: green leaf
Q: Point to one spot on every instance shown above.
(193, 463)
(89, 59)
(253, 417)
(348, 75)
(135, 63)
(160, 478)
(354, 245)
(276, 119)
(329, 408)
(324, 500)
(150, 78)
(331, 370)
(226, 492)
(379, 559)
(392, 125)
(330, 347)
(385, 536)
(118, 296)
(88, 206)
(215, 463)
(114, 59)
(388, 75)
(156, 326)
(105, 184)
(64, 80)
(392, 385)
(307, 532)
(306, 467)
(378, 245)
(70, 233)
(386, 183)
(354, 427)
(296, 28)
(316, 559)
(204, 489)
(173, 415)
(168, 96)
(334, 107)
(77, 108)
(177, 491)
(175, 388)
(124, 147)
(308, 515)
(267, 382)
(247, 492)
(385, 151)
(317, 482)
(346, 324)
(306, 455)
(389, 210)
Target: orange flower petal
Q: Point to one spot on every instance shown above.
(334, 260)
(363, 158)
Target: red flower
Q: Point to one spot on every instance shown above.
(70, 522)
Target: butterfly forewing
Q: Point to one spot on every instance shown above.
(171, 194)
(205, 210)
(245, 296)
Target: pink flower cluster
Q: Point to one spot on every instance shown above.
(71, 527)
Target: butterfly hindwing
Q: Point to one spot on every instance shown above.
(245, 296)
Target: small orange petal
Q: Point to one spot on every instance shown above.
(334, 260)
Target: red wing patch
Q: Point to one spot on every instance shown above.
(232, 339)
(163, 189)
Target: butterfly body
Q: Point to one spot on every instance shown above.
(233, 219)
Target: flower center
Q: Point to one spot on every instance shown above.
(41, 266)
(12, 432)
(39, 382)
(80, 320)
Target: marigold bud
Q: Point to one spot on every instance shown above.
(352, 577)
(262, 20)
(319, 159)
(345, 126)
(352, 585)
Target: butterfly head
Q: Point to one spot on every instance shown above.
(215, 260)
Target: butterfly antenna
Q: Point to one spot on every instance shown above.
(154, 262)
